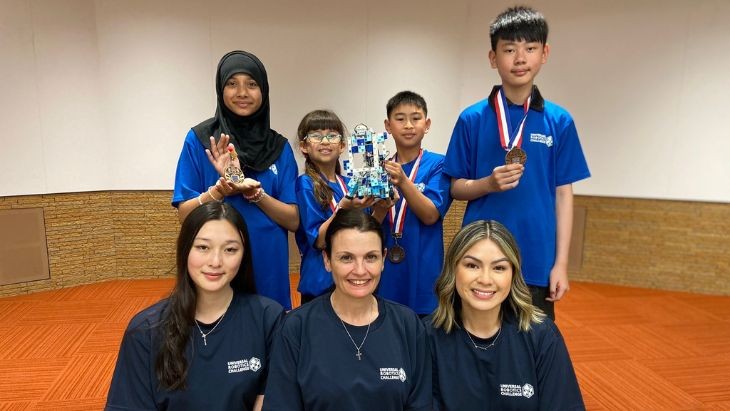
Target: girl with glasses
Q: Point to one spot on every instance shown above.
(320, 192)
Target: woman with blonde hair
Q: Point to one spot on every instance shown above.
(491, 348)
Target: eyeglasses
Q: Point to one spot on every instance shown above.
(330, 138)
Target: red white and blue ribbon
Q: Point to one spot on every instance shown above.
(509, 139)
(399, 222)
(343, 186)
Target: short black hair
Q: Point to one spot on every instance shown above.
(519, 24)
(406, 97)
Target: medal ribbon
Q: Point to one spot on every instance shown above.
(343, 186)
(505, 127)
(400, 221)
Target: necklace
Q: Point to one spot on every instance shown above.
(205, 335)
(357, 347)
(494, 341)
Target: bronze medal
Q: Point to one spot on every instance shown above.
(396, 254)
(515, 155)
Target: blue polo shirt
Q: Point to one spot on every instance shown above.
(314, 278)
(554, 158)
(411, 282)
(269, 241)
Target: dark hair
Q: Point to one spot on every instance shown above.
(406, 97)
(519, 24)
(352, 218)
(171, 366)
(320, 120)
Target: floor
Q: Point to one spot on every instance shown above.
(632, 348)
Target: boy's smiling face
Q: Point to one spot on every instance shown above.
(518, 62)
(408, 124)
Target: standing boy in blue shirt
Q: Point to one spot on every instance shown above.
(414, 225)
(514, 156)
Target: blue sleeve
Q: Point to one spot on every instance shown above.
(189, 179)
(132, 385)
(311, 214)
(282, 389)
(273, 316)
(421, 396)
(438, 188)
(558, 386)
(288, 171)
(457, 163)
(571, 164)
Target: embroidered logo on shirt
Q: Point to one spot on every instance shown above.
(514, 390)
(421, 187)
(390, 373)
(274, 169)
(253, 364)
(527, 391)
(539, 138)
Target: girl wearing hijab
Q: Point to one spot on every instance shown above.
(240, 136)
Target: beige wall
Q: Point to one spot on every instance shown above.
(98, 94)
(674, 245)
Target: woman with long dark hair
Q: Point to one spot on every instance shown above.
(206, 346)
(235, 157)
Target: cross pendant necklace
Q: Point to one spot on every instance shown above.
(205, 335)
(358, 354)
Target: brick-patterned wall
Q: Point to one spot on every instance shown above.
(100, 236)
(671, 245)
(675, 245)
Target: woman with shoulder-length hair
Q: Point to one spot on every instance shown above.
(206, 346)
(491, 348)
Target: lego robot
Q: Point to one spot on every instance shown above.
(370, 179)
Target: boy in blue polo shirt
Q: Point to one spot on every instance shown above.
(414, 225)
(514, 156)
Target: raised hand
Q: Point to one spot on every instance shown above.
(218, 153)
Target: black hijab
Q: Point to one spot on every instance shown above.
(257, 145)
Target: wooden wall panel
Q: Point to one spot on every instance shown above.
(673, 245)
(23, 249)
